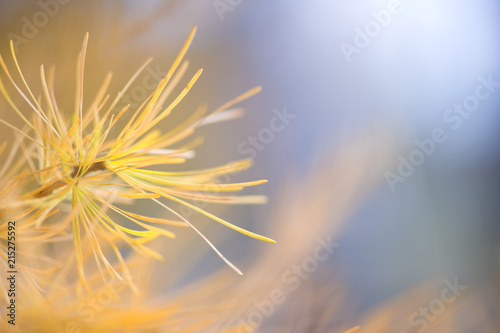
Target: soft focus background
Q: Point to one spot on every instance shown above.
(422, 60)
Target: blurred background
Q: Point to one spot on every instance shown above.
(337, 73)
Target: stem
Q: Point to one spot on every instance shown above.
(44, 191)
